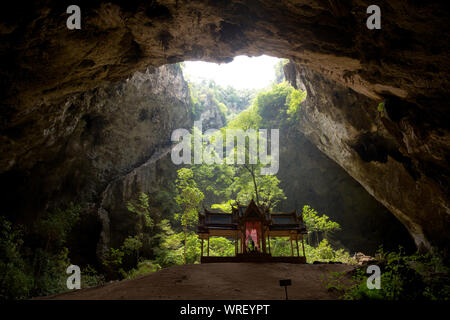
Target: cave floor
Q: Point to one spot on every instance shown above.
(217, 281)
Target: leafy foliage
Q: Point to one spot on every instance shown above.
(317, 224)
(323, 252)
(222, 247)
(247, 119)
(56, 225)
(294, 100)
(143, 268)
(113, 264)
(132, 245)
(141, 209)
(15, 279)
(270, 103)
(90, 277)
(414, 277)
(179, 248)
(265, 188)
(224, 207)
(228, 100)
(189, 198)
(37, 267)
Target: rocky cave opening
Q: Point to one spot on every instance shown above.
(159, 100)
(86, 114)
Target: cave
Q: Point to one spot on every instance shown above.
(86, 113)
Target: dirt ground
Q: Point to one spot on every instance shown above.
(228, 281)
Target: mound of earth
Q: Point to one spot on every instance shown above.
(216, 281)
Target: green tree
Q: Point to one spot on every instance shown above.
(113, 263)
(189, 198)
(248, 183)
(214, 181)
(132, 245)
(317, 223)
(140, 207)
(56, 225)
(294, 100)
(221, 247)
(247, 119)
(50, 260)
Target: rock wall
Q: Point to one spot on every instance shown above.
(92, 143)
(211, 117)
(309, 177)
(371, 145)
(156, 175)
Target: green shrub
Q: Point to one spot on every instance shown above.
(15, 280)
(221, 247)
(50, 272)
(323, 252)
(112, 263)
(36, 267)
(143, 268)
(131, 246)
(50, 259)
(91, 278)
(415, 277)
(55, 226)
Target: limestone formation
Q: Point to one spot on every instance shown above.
(53, 94)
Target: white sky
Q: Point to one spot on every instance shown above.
(242, 72)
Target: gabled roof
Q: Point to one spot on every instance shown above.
(229, 221)
(252, 211)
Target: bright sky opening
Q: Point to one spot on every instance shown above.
(242, 73)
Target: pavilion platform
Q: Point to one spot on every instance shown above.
(253, 258)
